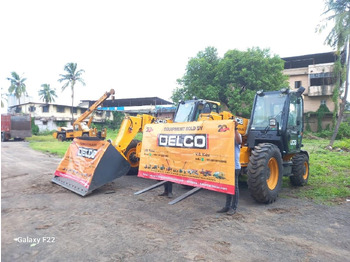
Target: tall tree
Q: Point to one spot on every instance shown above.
(232, 80)
(71, 77)
(3, 98)
(17, 87)
(47, 94)
(338, 11)
(242, 73)
(199, 79)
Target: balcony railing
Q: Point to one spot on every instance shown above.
(324, 90)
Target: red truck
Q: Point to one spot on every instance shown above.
(17, 127)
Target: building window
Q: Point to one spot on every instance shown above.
(108, 113)
(297, 84)
(60, 109)
(323, 102)
(18, 109)
(32, 109)
(321, 81)
(45, 109)
(75, 110)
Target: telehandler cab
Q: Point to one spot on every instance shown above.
(274, 142)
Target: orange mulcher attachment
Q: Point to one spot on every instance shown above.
(89, 163)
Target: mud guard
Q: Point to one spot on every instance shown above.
(89, 163)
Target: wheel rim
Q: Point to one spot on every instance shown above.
(272, 180)
(306, 170)
(131, 157)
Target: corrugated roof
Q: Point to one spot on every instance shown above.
(142, 101)
(306, 60)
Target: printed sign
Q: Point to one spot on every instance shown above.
(199, 154)
(81, 159)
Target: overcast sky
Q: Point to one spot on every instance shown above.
(140, 48)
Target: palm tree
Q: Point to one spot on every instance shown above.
(3, 98)
(17, 87)
(47, 94)
(71, 77)
(339, 38)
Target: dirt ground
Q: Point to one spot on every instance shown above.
(42, 221)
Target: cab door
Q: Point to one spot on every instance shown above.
(295, 123)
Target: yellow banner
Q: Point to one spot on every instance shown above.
(199, 154)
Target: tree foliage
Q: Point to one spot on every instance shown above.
(199, 79)
(3, 98)
(338, 11)
(232, 80)
(17, 87)
(47, 94)
(71, 77)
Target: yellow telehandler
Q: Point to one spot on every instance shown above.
(80, 128)
(271, 148)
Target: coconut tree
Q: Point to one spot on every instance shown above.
(71, 77)
(338, 11)
(17, 87)
(3, 98)
(47, 94)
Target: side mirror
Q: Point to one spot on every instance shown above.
(300, 91)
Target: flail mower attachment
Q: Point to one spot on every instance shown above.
(89, 163)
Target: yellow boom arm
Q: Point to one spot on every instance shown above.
(91, 109)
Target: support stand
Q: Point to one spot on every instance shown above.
(183, 196)
(150, 187)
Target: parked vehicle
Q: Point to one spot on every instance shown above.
(16, 126)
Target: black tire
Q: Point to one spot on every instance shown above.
(3, 137)
(300, 170)
(130, 154)
(61, 137)
(265, 173)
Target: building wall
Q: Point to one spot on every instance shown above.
(314, 96)
(318, 83)
(57, 115)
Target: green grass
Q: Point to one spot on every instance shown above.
(47, 144)
(329, 180)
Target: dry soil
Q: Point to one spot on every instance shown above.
(113, 224)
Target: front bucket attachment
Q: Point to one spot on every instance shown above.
(89, 163)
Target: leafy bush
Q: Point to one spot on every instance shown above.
(111, 124)
(46, 132)
(35, 128)
(325, 134)
(320, 113)
(344, 131)
(343, 144)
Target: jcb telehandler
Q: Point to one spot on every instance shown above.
(274, 143)
(80, 128)
(271, 146)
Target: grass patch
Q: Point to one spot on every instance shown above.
(53, 147)
(47, 144)
(329, 179)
